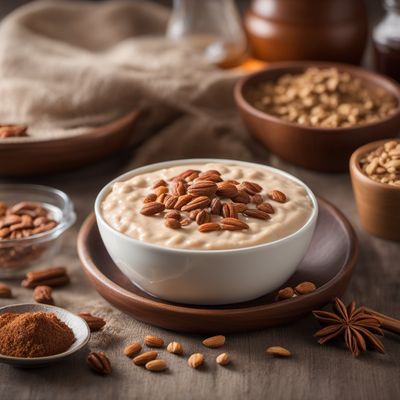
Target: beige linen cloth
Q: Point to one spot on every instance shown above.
(66, 66)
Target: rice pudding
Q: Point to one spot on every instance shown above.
(211, 206)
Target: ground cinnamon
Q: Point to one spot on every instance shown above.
(33, 334)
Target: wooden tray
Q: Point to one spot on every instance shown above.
(329, 263)
(55, 155)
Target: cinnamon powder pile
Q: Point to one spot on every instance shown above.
(33, 334)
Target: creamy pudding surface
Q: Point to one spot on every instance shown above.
(261, 216)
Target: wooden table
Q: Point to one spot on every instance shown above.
(314, 371)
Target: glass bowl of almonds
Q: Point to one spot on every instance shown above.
(33, 219)
(316, 114)
(375, 175)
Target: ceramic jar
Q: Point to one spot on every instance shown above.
(328, 30)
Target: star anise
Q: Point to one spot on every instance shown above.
(357, 327)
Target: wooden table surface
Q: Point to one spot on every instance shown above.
(314, 371)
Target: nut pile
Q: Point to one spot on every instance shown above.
(8, 131)
(383, 164)
(209, 200)
(22, 220)
(325, 98)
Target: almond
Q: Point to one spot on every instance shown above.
(193, 214)
(278, 351)
(229, 210)
(182, 201)
(152, 208)
(196, 360)
(254, 213)
(209, 227)
(153, 341)
(216, 206)
(144, 358)
(211, 175)
(305, 288)
(285, 293)
(162, 197)
(186, 174)
(266, 207)
(214, 341)
(276, 195)
(175, 348)
(173, 214)
(5, 291)
(132, 349)
(226, 189)
(160, 190)
(158, 183)
(170, 202)
(150, 198)
(179, 188)
(172, 223)
(241, 197)
(250, 187)
(203, 217)
(156, 365)
(197, 202)
(202, 188)
(256, 199)
(233, 224)
(223, 359)
(95, 323)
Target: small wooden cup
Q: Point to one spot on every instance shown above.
(378, 203)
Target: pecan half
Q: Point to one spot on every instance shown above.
(43, 294)
(182, 201)
(278, 196)
(209, 227)
(158, 183)
(54, 276)
(95, 323)
(254, 213)
(179, 188)
(240, 207)
(203, 217)
(99, 363)
(197, 202)
(256, 199)
(203, 188)
(193, 214)
(229, 210)
(160, 190)
(233, 224)
(170, 202)
(241, 197)
(173, 214)
(152, 208)
(216, 206)
(226, 189)
(172, 223)
(250, 187)
(266, 207)
(189, 173)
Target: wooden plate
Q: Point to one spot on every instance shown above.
(329, 263)
(55, 155)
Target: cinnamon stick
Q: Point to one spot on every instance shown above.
(387, 323)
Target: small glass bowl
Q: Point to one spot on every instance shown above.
(18, 255)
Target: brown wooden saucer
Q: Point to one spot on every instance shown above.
(328, 263)
(55, 155)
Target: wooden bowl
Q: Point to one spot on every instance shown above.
(55, 155)
(329, 263)
(320, 149)
(378, 204)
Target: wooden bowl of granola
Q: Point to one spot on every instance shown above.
(309, 120)
(375, 175)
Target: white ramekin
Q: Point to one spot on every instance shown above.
(207, 277)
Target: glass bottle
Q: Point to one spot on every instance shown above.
(386, 38)
(212, 27)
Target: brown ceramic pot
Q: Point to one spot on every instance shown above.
(378, 204)
(327, 30)
(320, 149)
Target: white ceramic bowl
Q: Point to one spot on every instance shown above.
(207, 277)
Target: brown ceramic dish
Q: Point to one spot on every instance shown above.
(329, 263)
(378, 204)
(55, 155)
(320, 149)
